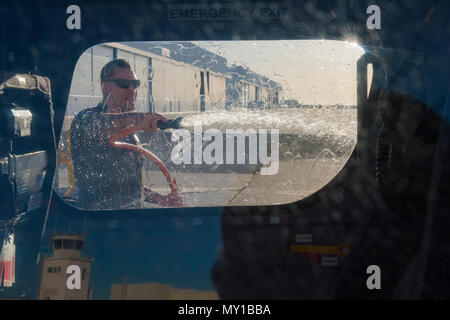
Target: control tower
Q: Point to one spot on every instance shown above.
(53, 276)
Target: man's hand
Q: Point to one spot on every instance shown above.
(171, 200)
(175, 200)
(150, 122)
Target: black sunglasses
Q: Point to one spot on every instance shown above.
(125, 83)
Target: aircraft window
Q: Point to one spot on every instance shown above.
(250, 123)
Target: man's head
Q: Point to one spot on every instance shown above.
(119, 85)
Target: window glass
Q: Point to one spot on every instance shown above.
(57, 244)
(54, 269)
(78, 244)
(259, 123)
(68, 244)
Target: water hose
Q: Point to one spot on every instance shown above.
(128, 146)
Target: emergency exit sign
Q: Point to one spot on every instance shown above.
(220, 11)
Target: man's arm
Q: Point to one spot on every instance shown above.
(93, 129)
(124, 124)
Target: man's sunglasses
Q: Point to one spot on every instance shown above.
(125, 83)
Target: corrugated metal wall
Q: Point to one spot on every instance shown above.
(175, 87)
(216, 91)
(85, 91)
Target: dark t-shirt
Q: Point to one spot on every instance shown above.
(107, 177)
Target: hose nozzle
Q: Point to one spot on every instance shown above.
(170, 124)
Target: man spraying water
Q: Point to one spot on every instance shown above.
(108, 177)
